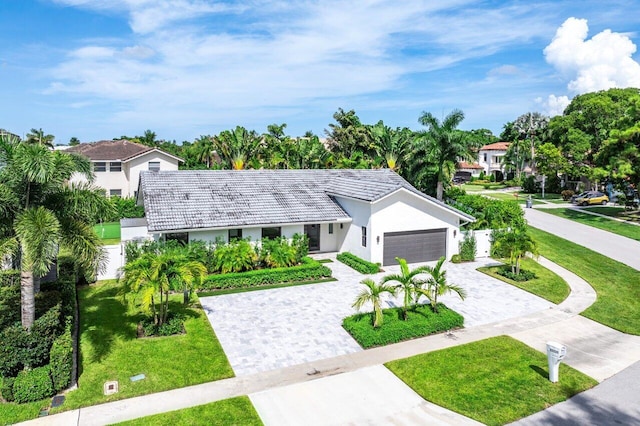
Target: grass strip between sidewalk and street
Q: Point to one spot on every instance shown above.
(617, 227)
(618, 303)
(494, 381)
(232, 411)
(547, 284)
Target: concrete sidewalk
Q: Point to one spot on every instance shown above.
(524, 328)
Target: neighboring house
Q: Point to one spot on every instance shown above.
(117, 164)
(468, 168)
(374, 214)
(491, 159)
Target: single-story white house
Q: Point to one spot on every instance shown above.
(374, 214)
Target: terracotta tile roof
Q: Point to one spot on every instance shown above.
(121, 150)
(498, 146)
(465, 165)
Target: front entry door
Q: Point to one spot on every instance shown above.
(313, 233)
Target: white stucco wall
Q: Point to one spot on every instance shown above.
(350, 237)
(133, 232)
(329, 242)
(139, 164)
(404, 211)
(209, 235)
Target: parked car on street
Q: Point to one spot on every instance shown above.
(593, 197)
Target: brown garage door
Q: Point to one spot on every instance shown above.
(414, 246)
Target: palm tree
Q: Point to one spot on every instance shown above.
(443, 144)
(41, 212)
(514, 242)
(437, 285)
(204, 150)
(37, 136)
(408, 283)
(156, 275)
(372, 294)
(236, 143)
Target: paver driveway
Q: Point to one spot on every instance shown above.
(269, 329)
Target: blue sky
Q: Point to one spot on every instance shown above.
(99, 69)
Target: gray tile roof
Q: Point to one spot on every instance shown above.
(204, 199)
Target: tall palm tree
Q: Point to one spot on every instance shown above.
(408, 282)
(443, 145)
(37, 136)
(204, 150)
(236, 143)
(372, 294)
(41, 212)
(437, 285)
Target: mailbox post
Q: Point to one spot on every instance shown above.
(555, 353)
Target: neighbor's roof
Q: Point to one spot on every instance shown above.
(465, 165)
(498, 146)
(205, 199)
(120, 150)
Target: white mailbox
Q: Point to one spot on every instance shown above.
(555, 353)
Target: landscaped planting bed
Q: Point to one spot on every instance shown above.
(421, 321)
(494, 381)
(309, 270)
(357, 263)
(232, 411)
(547, 284)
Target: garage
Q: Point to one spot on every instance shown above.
(414, 246)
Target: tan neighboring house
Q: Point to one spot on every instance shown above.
(491, 159)
(117, 164)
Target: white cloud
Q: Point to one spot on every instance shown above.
(554, 105)
(603, 62)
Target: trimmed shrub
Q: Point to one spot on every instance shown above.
(7, 388)
(33, 385)
(357, 263)
(529, 185)
(309, 270)
(524, 275)
(567, 194)
(9, 278)
(236, 256)
(173, 325)
(61, 360)
(421, 321)
(468, 247)
(456, 258)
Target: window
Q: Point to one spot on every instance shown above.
(235, 234)
(115, 166)
(364, 236)
(182, 237)
(485, 157)
(331, 228)
(100, 166)
(271, 233)
(115, 193)
(154, 166)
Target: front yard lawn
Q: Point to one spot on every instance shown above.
(494, 381)
(421, 321)
(617, 212)
(620, 228)
(508, 196)
(232, 411)
(618, 303)
(109, 232)
(547, 284)
(109, 350)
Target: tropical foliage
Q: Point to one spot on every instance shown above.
(437, 285)
(372, 294)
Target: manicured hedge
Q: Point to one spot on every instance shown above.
(61, 360)
(358, 263)
(308, 270)
(421, 321)
(7, 388)
(33, 385)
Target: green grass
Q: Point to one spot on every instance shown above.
(547, 285)
(494, 381)
(325, 260)
(620, 228)
(233, 411)
(522, 199)
(469, 187)
(109, 232)
(109, 350)
(11, 413)
(421, 321)
(617, 212)
(263, 287)
(618, 303)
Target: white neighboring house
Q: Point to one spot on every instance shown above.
(491, 159)
(374, 214)
(117, 164)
